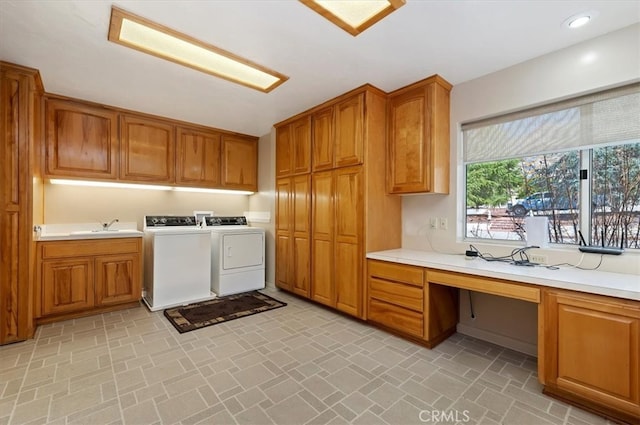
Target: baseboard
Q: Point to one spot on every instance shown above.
(501, 340)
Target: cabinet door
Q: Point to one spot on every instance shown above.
(322, 216)
(301, 142)
(147, 150)
(301, 234)
(81, 140)
(67, 285)
(240, 163)
(592, 349)
(408, 153)
(198, 160)
(284, 227)
(323, 139)
(349, 137)
(349, 218)
(117, 279)
(284, 151)
(16, 149)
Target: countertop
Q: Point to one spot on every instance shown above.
(591, 281)
(80, 231)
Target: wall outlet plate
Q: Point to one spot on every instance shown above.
(537, 258)
(444, 223)
(433, 223)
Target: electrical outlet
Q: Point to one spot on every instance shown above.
(444, 224)
(433, 223)
(540, 259)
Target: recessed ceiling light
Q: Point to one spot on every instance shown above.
(576, 21)
(354, 16)
(149, 37)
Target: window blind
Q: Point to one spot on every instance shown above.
(611, 116)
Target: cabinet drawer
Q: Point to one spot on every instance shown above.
(88, 247)
(398, 318)
(396, 293)
(411, 275)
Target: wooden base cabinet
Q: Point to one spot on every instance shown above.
(590, 352)
(337, 258)
(67, 285)
(293, 201)
(403, 298)
(83, 277)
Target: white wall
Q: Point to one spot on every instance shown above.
(77, 204)
(606, 61)
(264, 200)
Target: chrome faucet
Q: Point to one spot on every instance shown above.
(106, 226)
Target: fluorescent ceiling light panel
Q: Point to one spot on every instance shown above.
(354, 16)
(157, 40)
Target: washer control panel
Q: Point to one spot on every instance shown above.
(226, 221)
(169, 220)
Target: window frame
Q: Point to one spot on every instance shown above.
(585, 152)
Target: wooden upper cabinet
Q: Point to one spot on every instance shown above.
(349, 131)
(147, 149)
(198, 158)
(293, 147)
(240, 163)
(81, 140)
(283, 151)
(323, 145)
(301, 142)
(418, 138)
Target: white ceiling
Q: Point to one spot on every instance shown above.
(460, 40)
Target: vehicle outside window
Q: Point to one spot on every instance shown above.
(541, 201)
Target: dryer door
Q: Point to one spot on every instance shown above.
(242, 250)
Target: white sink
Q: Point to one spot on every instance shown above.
(109, 231)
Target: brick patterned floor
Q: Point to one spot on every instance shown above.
(300, 364)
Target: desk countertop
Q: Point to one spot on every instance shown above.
(591, 281)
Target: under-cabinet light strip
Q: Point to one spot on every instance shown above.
(90, 183)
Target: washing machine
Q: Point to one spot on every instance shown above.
(237, 255)
(177, 262)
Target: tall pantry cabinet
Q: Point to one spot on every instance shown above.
(20, 196)
(332, 206)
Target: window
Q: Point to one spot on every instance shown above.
(576, 162)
